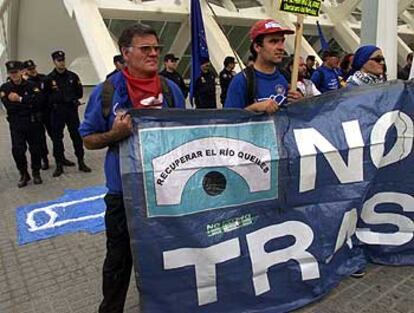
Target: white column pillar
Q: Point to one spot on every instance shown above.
(182, 39)
(219, 46)
(98, 41)
(379, 27)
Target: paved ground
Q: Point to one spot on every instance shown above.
(63, 274)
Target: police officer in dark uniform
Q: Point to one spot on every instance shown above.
(226, 75)
(65, 90)
(22, 100)
(205, 87)
(40, 80)
(170, 72)
(119, 63)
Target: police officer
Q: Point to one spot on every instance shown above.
(40, 80)
(226, 75)
(65, 90)
(119, 64)
(170, 72)
(22, 100)
(205, 87)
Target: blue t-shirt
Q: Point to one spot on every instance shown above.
(94, 122)
(273, 86)
(325, 79)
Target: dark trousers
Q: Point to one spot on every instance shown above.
(70, 118)
(118, 261)
(23, 133)
(46, 127)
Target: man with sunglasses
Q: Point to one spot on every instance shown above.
(269, 85)
(22, 101)
(170, 72)
(65, 90)
(40, 80)
(138, 86)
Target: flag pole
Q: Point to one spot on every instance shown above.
(298, 45)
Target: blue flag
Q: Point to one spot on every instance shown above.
(199, 50)
(324, 43)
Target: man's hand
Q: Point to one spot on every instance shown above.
(14, 97)
(269, 106)
(122, 126)
(294, 95)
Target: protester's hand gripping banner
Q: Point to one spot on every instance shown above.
(230, 211)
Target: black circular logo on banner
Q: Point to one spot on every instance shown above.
(214, 183)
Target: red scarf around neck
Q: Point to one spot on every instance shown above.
(145, 93)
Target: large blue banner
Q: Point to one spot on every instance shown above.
(231, 211)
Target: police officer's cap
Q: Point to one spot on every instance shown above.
(170, 57)
(229, 60)
(119, 58)
(29, 64)
(58, 55)
(12, 66)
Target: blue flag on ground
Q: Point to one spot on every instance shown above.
(324, 43)
(75, 211)
(199, 49)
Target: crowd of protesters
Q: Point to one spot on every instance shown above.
(37, 103)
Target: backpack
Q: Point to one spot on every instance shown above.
(250, 76)
(108, 92)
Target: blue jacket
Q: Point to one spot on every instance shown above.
(326, 79)
(274, 86)
(94, 122)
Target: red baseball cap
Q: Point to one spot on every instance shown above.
(268, 26)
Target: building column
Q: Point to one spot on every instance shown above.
(379, 27)
(98, 42)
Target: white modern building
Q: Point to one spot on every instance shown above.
(87, 30)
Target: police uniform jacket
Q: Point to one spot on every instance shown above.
(29, 109)
(225, 78)
(176, 78)
(205, 91)
(65, 90)
(41, 81)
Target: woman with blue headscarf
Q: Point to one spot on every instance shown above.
(368, 67)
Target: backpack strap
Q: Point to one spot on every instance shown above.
(250, 76)
(107, 95)
(166, 92)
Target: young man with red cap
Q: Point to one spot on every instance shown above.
(270, 86)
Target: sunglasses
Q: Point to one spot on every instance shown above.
(378, 59)
(13, 72)
(148, 48)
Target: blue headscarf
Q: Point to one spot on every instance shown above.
(362, 56)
